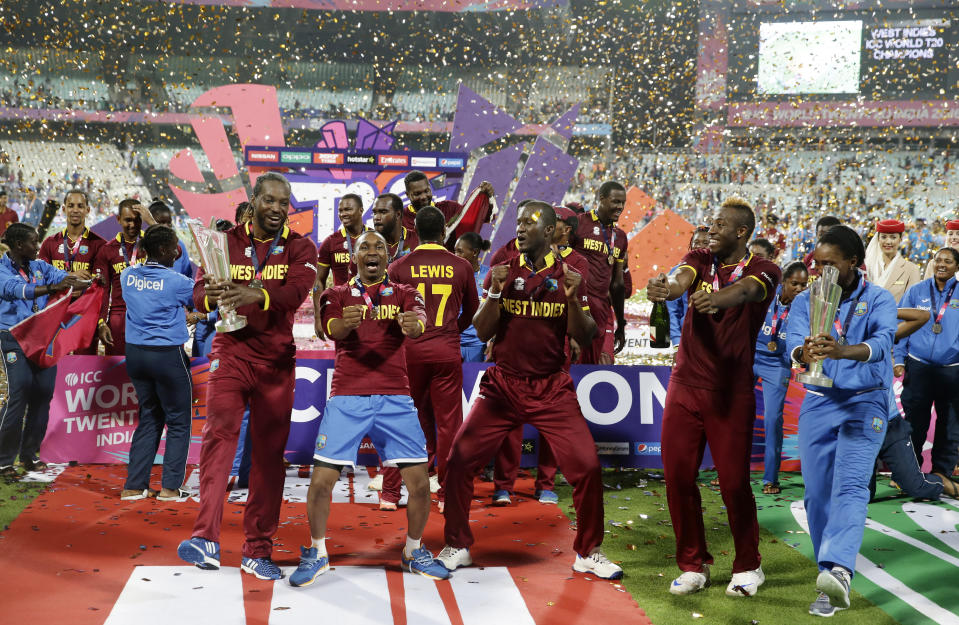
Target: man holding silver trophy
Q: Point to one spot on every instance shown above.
(842, 331)
(257, 275)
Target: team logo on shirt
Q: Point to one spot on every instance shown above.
(277, 250)
(38, 274)
(11, 357)
(861, 309)
(551, 284)
(248, 252)
(387, 291)
(355, 292)
(596, 230)
(519, 284)
(877, 424)
(321, 441)
(954, 303)
(214, 365)
(84, 249)
(346, 245)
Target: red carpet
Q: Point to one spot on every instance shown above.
(73, 552)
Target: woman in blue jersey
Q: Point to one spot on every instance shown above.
(157, 364)
(470, 246)
(841, 427)
(25, 286)
(930, 360)
(772, 367)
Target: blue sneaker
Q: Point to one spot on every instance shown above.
(310, 567)
(261, 568)
(547, 496)
(501, 498)
(423, 563)
(203, 553)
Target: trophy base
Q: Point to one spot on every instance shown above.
(814, 379)
(238, 322)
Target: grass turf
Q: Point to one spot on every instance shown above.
(14, 497)
(639, 537)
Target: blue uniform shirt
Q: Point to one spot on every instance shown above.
(155, 297)
(677, 314)
(779, 358)
(17, 293)
(925, 345)
(183, 264)
(873, 322)
(468, 337)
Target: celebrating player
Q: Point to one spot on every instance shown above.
(387, 220)
(535, 299)
(272, 270)
(419, 191)
(369, 318)
(710, 397)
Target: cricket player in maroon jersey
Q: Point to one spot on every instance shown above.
(272, 271)
(710, 397)
(7, 215)
(604, 246)
(535, 299)
(433, 361)
(420, 193)
(506, 466)
(336, 252)
(75, 247)
(113, 257)
(388, 221)
(370, 319)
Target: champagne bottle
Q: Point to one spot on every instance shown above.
(659, 326)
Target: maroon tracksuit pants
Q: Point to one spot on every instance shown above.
(508, 458)
(550, 405)
(269, 391)
(693, 417)
(437, 392)
(117, 322)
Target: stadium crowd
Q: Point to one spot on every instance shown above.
(401, 303)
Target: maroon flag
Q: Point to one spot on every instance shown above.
(63, 326)
(477, 210)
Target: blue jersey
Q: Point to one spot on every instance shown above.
(155, 297)
(871, 311)
(18, 298)
(924, 345)
(677, 314)
(183, 264)
(780, 357)
(468, 336)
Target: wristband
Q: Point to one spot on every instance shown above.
(492, 295)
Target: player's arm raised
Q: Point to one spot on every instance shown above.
(662, 287)
(579, 324)
(486, 319)
(413, 318)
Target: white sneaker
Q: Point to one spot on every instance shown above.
(434, 483)
(454, 557)
(745, 584)
(690, 582)
(597, 564)
(376, 483)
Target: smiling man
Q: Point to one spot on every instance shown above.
(272, 271)
(419, 191)
(710, 397)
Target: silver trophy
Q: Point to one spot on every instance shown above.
(215, 258)
(824, 297)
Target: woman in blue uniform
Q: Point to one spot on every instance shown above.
(930, 360)
(772, 367)
(470, 246)
(157, 364)
(25, 286)
(842, 427)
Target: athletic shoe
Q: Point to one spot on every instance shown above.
(136, 495)
(261, 568)
(310, 567)
(376, 483)
(835, 584)
(34, 464)
(434, 483)
(203, 553)
(501, 498)
(745, 584)
(9, 473)
(822, 607)
(547, 496)
(690, 582)
(597, 564)
(423, 563)
(388, 506)
(454, 557)
(173, 495)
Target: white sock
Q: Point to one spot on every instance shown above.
(411, 545)
(320, 545)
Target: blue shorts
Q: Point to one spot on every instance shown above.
(390, 420)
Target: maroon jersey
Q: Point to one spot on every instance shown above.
(449, 208)
(602, 246)
(716, 351)
(371, 360)
(406, 244)
(577, 261)
(505, 254)
(448, 286)
(287, 277)
(531, 335)
(115, 256)
(7, 217)
(336, 252)
(74, 255)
